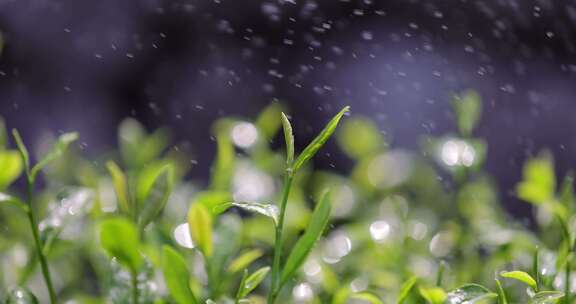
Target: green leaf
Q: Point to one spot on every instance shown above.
(213, 200)
(21, 295)
(289, 138)
(406, 288)
(468, 108)
(22, 149)
(567, 191)
(522, 277)
(56, 152)
(547, 297)
(225, 159)
(267, 121)
(253, 281)
(155, 186)
(316, 226)
(120, 186)
(200, 224)
(319, 141)
(10, 167)
(433, 295)
(367, 297)
(502, 299)
(119, 238)
(268, 210)
(470, 294)
(176, 276)
(8, 199)
(539, 182)
(359, 137)
(244, 260)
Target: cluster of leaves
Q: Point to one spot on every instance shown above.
(401, 227)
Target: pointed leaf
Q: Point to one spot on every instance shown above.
(120, 186)
(225, 159)
(57, 151)
(253, 281)
(502, 299)
(319, 141)
(520, 276)
(468, 108)
(539, 182)
(156, 194)
(470, 294)
(406, 288)
(200, 223)
(289, 138)
(268, 210)
(22, 149)
(8, 199)
(119, 238)
(315, 228)
(176, 276)
(244, 260)
(547, 297)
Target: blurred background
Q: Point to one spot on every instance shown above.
(86, 65)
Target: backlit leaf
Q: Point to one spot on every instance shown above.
(119, 238)
(520, 276)
(176, 276)
(200, 224)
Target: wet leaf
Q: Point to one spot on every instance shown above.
(547, 297)
(470, 294)
(268, 210)
(319, 141)
(520, 276)
(200, 223)
(9, 199)
(176, 276)
(253, 280)
(316, 226)
(119, 238)
(21, 295)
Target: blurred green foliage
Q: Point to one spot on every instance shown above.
(402, 227)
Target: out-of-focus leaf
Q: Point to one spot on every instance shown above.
(547, 297)
(405, 289)
(359, 137)
(470, 294)
(268, 210)
(319, 141)
(21, 295)
(57, 151)
(22, 150)
(200, 224)
(520, 276)
(267, 121)
(119, 238)
(567, 191)
(468, 108)
(253, 280)
(367, 297)
(10, 167)
(539, 182)
(289, 138)
(502, 299)
(213, 200)
(120, 186)
(8, 199)
(300, 251)
(136, 146)
(154, 195)
(433, 295)
(244, 260)
(3, 132)
(225, 159)
(176, 276)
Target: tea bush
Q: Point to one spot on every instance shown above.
(401, 227)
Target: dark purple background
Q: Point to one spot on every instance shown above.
(84, 65)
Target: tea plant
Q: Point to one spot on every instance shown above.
(405, 226)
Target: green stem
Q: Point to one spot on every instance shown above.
(38, 243)
(567, 281)
(134, 275)
(275, 289)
